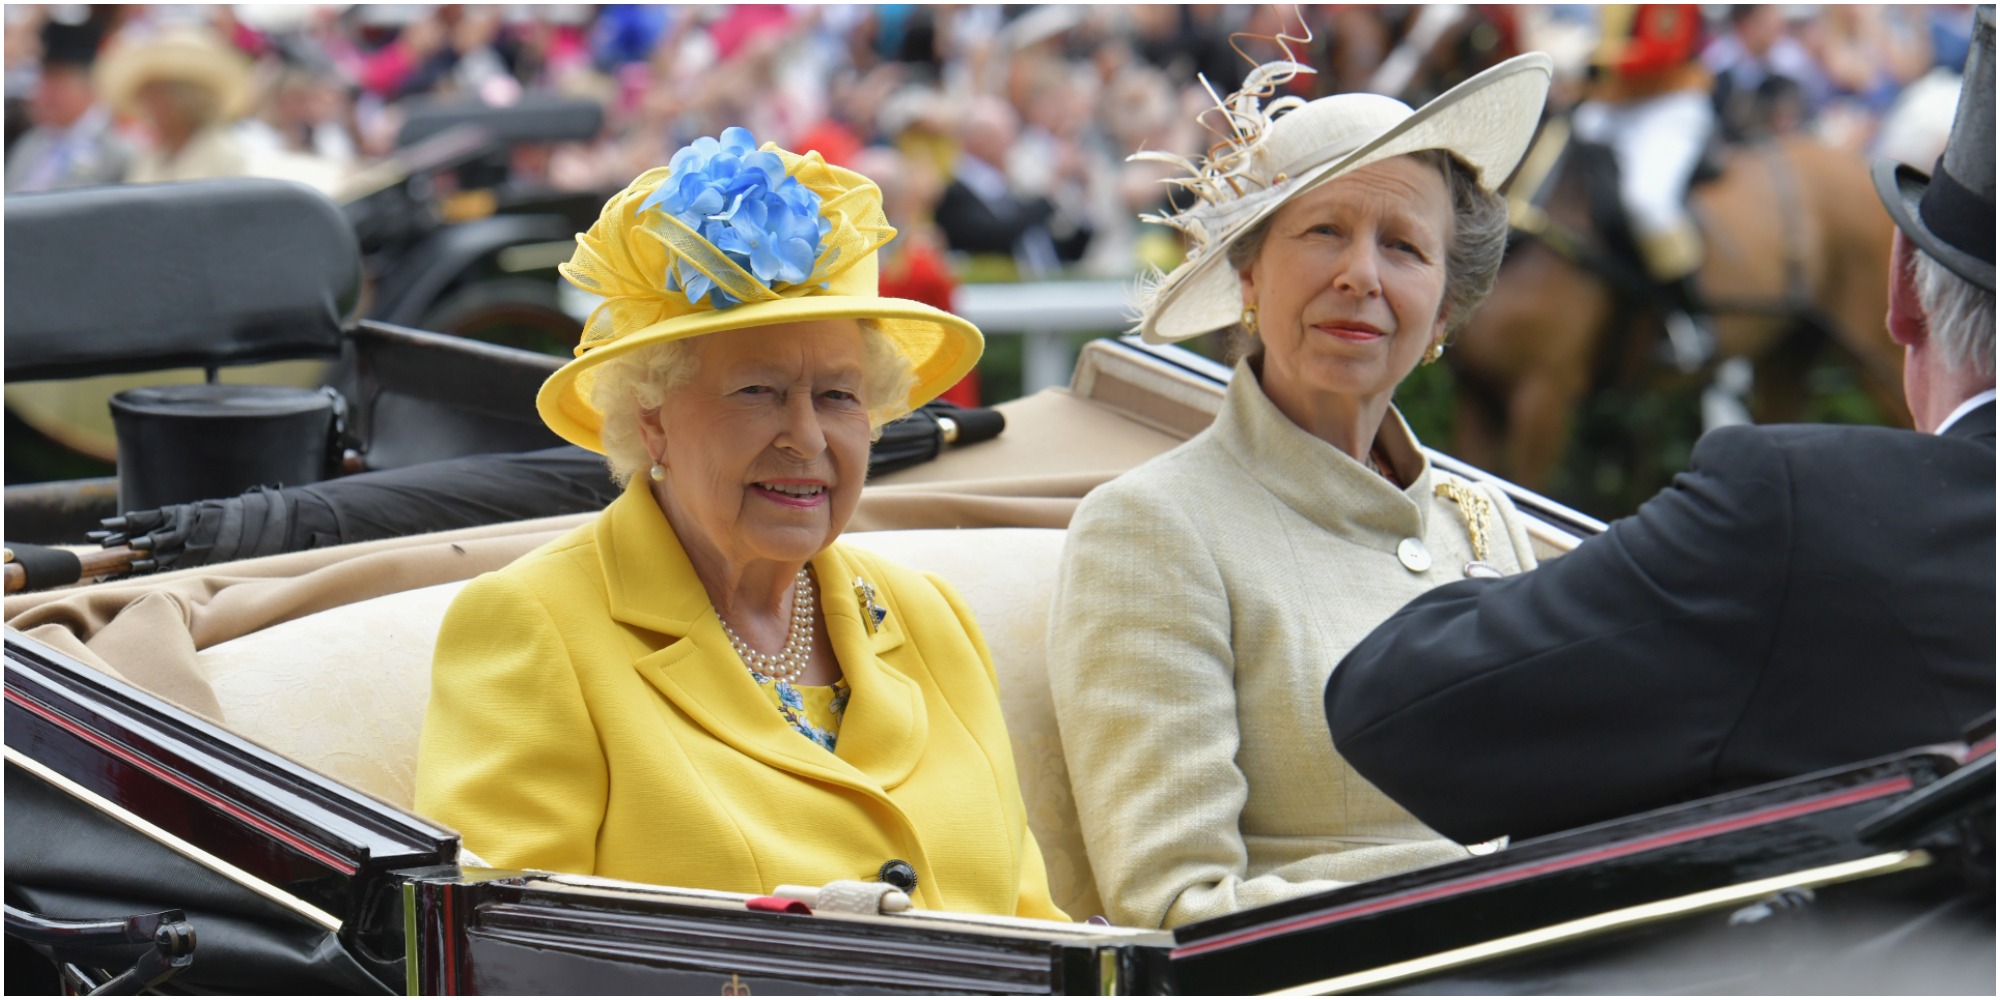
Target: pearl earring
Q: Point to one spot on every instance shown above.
(658, 472)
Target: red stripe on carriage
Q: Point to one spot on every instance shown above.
(1832, 800)
(283, 836)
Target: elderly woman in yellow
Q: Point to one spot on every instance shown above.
(1206, 595)
(704, 688)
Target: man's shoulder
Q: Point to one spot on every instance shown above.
(1870, 454)
(1877, 489)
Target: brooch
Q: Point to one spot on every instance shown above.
(872, 613)
(1478, 512)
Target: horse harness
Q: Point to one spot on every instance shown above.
(1534, 184)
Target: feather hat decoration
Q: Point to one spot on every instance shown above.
(1224, 183)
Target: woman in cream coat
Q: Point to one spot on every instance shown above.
(702, 687)
(1206, 595)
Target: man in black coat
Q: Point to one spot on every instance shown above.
(1801, 598)
(980, 214)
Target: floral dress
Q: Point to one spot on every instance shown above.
(813, 710)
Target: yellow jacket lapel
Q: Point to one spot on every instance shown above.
(886, 726)
(648, 579)
(652, 585)
(702, 676)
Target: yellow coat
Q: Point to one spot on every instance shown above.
(588, 715)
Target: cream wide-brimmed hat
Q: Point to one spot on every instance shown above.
(180, 53)
(1289, 146)
(729, 236)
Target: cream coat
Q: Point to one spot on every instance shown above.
(211, 152)
(1204, 600)
(588, 715)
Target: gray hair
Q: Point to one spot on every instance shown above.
(643, 379)
(1958, 313)
(1472, 260)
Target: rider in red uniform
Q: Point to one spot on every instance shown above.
(1650, 104)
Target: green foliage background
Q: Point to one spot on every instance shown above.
(1625, 447)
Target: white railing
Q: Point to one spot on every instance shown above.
(1044, 314)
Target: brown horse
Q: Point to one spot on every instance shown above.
(1797, 263)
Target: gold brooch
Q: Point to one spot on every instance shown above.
(1478, 513)
(872, 613)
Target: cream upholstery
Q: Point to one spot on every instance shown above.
(1007, 576)
(343, 691)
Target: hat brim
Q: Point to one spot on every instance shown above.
(1487, 121)
(1901, 188)
(941, 348)
(121, 73)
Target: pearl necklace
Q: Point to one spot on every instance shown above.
(788, 664)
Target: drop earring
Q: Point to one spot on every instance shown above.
(658, 472)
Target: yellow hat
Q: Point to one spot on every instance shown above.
(656, 242)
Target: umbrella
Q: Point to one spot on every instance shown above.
(434, 496)
(453, 493)
(924, 433)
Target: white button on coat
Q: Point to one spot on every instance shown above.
(1416, 558)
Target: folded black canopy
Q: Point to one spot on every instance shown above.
(441, 496)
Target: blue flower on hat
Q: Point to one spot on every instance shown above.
(741, 200)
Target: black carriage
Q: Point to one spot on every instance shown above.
(207, 771)
(1876, 877)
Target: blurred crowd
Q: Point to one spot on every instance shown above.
(999, 133)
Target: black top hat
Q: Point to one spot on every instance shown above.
(1949, 214)
(65, 44)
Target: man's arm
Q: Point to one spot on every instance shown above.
(1601, 684)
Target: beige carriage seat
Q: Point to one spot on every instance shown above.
(343, 691)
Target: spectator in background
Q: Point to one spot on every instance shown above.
(1650, 104)
(1060, 155)
(1873, 51)
(303, 112)
(981, 214)
(21, 47)
(626, 33)
(474, 58)
(1756, 65)
(913, 264)
(186, 85)
(386, 72)
(71, 143)
(1870, 53)
(1085, 85)
(1185, 39)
